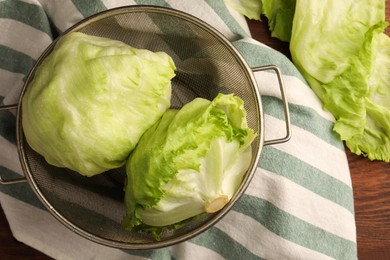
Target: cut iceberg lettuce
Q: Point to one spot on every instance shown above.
(190, 162)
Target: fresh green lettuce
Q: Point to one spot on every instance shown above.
(280, 14)
(91, 100)
(344, 55)
(250, 8)
(190, 162)
(341, 50)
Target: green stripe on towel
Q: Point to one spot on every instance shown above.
(303, 117)
(152, 2)
(217, 241)
(30, 14)
(259, 55)
(169, 26)
(307, 176)
(15, 61)
(220, 9)
(8, 126)
(160, 254)
(87, 9)
(20, 191)
(295, 229)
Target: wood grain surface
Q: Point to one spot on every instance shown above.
(371, 185)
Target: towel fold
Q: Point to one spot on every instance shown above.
(299, 205)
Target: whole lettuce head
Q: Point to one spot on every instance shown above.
(91, 100)
(190, 162)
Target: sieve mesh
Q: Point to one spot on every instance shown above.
(206, 65)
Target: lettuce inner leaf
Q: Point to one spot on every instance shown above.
(190, 162)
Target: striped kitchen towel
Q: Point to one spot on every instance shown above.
(299, 204)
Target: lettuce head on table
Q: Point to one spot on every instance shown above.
(342, 51)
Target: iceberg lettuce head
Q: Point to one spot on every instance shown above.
(91, 100)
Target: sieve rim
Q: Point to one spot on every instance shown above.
(214, 218)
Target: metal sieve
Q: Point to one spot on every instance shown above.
(207, 64)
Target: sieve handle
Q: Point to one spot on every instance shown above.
(17, 180)
(285, 104)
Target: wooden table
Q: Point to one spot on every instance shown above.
(371, 184)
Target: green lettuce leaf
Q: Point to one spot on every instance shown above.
(342, 52)
(250, 8)
(344, 55)
(190, 162)
(91, 100)
(280, 14)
